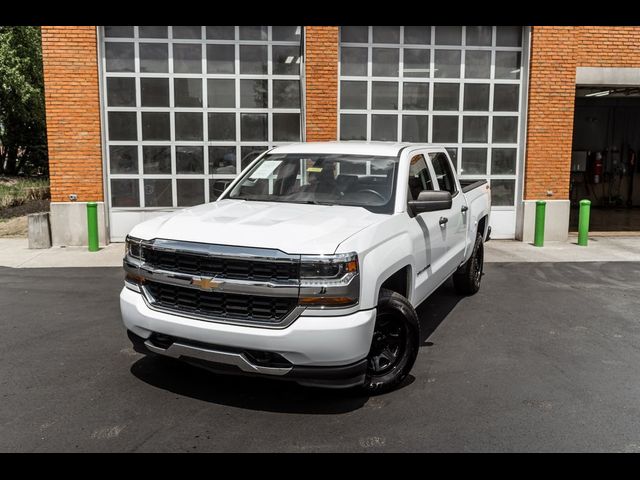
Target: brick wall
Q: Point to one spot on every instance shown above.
(73, 112)
(555, 54)
(321, 83)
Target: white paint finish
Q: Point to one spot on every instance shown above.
(623, 76)
(69, 224)
(556, 227)
(503, 224)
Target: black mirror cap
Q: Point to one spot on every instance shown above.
(431, 201)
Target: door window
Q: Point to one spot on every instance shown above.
(419, 177)
(444, 174)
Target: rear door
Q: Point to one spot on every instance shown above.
(428, 242)
(452, 222)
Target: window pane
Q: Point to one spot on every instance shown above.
(384, 95)
(222, 126)
(445, 129)
(253, 59)
(187, 92)
(353, 95)
(286, 127)
(508, 65)
(286, 60)
(353, 61)
(508, 36)
(446, 96)
(477, 64)
(416, 62)
(221, 59)
(385, 62)
(119, 57)
(249, 154)
(216, 187)
(476, 97)
(453, 155)
(503, 161)
(156, 160)
(187, 58)
(189, 160)
(448, 35)
(389, 34)
(125, 192)
(355, 34)
(505, 129)
(253, 94)
(187, 32)
(188, 126)
(479, 36)
(253, 32)
(505, 98)
(286, 33)
(415, 128)
(154, 57)
(474, 161)
(158, 192)
(503, 193)
(123, 126)
(152, 32)
(286, 94)
(123, 159)
(155, 126)
(417, 35)
(154, 92)
(222, 160)
(253, 127)
(190, 191)
(226, 32)
(447, 64)
(118, 31)
(121, 92)
(384, 128)
(221, 93)
(353, 127)
(475, 129)
(415, 96)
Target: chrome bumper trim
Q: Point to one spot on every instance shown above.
(177, 350)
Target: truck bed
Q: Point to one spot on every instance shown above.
(468, 185)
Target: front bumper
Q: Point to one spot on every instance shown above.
(328, 351)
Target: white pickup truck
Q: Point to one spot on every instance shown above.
(310, 264)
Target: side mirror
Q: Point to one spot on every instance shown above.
(431, 201)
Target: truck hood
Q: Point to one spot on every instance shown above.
(292, 228)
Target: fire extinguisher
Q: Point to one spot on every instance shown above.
(598, 169)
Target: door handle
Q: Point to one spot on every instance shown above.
(443, 221)
(464, 208)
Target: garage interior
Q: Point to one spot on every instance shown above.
(604, 163)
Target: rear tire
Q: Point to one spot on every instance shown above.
(395, 343)
(467, 278)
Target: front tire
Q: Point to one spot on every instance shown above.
(395, 343)
(467, 278)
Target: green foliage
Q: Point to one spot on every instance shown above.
(22, 116)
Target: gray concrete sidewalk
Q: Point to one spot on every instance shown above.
(14, 252)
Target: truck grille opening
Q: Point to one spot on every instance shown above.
(221, 305)
(205, 265)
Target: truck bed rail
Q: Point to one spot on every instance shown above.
(468, 185)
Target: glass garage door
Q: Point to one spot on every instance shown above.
(185, 108)
(460, 87)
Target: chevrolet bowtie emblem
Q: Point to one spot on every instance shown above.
(207, 283)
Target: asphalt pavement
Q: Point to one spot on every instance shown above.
(546, 357)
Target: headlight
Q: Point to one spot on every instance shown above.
(329, 280)
(133, 247)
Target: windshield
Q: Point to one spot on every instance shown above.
(324, 179)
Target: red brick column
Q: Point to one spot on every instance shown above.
(321, 74)
(73, 112)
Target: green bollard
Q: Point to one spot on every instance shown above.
(538, 238)
(583, 223)
(92, 226)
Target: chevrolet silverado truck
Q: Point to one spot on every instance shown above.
(310, 264)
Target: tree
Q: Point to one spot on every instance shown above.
(22, 116)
